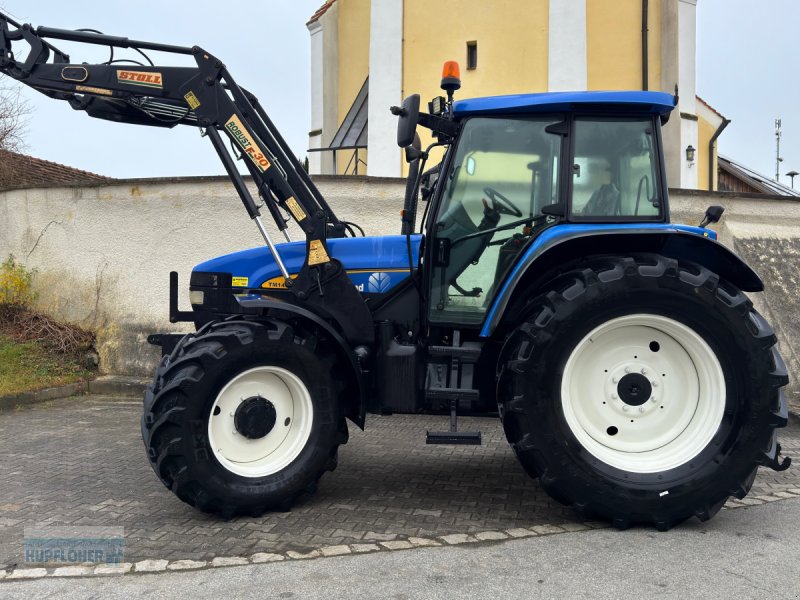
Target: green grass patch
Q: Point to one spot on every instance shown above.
(29, 366)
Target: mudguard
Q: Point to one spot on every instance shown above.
(560, 243)
(357, 411)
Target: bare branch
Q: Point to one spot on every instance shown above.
(13, 113)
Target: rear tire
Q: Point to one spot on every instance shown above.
(642, 390)
(244, 417)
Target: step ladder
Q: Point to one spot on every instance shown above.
(453, 388)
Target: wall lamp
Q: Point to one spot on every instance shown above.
(690, 152)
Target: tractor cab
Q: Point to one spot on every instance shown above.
(517, 165)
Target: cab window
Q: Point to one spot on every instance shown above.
(614, 170)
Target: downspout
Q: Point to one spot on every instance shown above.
(645, 53)
(725, 123)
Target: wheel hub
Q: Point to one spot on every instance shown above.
(255, 417)
(634, 389)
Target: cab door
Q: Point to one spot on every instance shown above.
(502, 174)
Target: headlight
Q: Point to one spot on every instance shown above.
(196, 297)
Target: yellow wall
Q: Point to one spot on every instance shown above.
(353, 62)
(614, 44)
(705, 131)
(512, 47)
(512, 37)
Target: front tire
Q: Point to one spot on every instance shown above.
(244, 417)
(642, 390)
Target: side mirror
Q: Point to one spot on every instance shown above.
(409, 117)
(713, 214)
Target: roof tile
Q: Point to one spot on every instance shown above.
(711, 108)
(20, 171)
(320, 11)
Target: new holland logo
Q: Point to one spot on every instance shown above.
(378, 283)
(143, 78)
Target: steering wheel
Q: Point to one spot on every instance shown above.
(501, 204)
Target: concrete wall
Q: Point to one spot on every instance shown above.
(765, 231)
(103, 254)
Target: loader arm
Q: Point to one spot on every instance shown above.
(204, 96)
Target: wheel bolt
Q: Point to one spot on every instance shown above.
(627, 369)
(625, 408)
(613, 396)
(652, 399)
(654, 383)
(644, 371)
(641, 409)
(615, 380)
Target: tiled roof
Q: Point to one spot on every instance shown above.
(21, 170)
(320, 11)
(711, 108)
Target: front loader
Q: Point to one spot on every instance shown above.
(545, 283)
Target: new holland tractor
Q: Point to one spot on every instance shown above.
(544, 283)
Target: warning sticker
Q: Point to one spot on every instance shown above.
(192, 100)
(295, 208)
(316, 253)
(240, 281)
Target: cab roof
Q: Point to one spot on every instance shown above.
(635, 101)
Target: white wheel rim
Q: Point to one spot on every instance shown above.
(284, 442)
(681, 414)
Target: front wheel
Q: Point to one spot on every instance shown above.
(642, 390)
(244, 417)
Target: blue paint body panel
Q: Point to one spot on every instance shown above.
(629, 102)
(553, 235)
(368, 254)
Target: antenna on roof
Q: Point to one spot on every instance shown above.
(778, 159)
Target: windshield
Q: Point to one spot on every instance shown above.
(503, 172)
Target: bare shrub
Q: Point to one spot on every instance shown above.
(30, 326)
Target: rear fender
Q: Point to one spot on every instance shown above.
(357, 407)
(560, 245)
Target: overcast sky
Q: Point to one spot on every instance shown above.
(747, 60)
(264, 44)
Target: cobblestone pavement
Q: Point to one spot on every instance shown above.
(80, 461)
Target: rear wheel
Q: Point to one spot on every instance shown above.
(244, 417)
(642, 390)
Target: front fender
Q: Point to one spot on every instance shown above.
(357, 411)
(563, 243)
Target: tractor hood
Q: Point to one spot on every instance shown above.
(374, 264)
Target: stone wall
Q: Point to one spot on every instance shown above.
(103, 254)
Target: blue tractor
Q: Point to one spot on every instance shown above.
(543, 282)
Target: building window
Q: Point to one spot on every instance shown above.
(472, 55)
